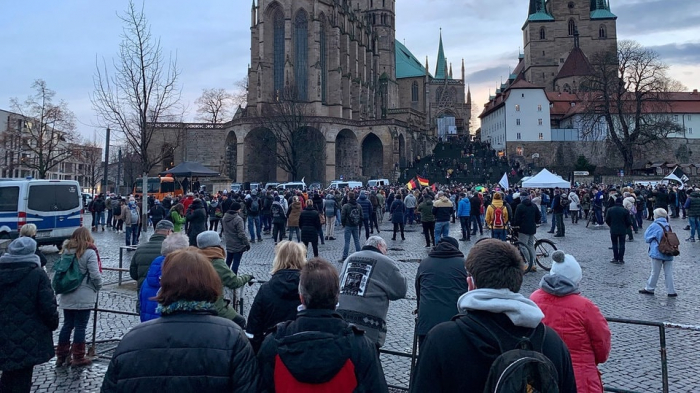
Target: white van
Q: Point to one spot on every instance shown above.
(293, 185)
(378, 183)
(52, 205)
(340, 184)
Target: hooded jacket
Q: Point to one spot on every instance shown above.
(228, 278)
(293, 214)
(314, 348)
(276, 301)
(27, 311)
(149, 289)
(144, 256)
(440, 281)
(464, 207)
(443, 209)
(581, 326)
(234, 232)
(197, 218)
(329, 206)
(397, 211)
(527, 215)
(510, 315)
(345, 213)
(490, 213)
(425, 209)
(85, 296)
(310, 224)
(366, 205)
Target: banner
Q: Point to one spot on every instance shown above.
(504, 181)
(423, 181)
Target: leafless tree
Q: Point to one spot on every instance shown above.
(141, 90)
(47, 131)
(240, 93)
(299, 146)
(627, 100)
(89, 155)
(215, 106)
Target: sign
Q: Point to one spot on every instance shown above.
(622, 173)
(581, 173)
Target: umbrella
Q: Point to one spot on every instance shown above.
(190, 169)
(481, 189)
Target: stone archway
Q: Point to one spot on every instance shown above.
(372, 156)
(402, 151)
(311, 156)
(260, 161)
(347, 151)
(230, 159)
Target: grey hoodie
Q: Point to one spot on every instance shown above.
(558, 285)
(519, 309)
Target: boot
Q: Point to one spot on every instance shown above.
(63, 355)
(78, 353)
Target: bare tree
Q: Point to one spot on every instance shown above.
(47, 131)
(141, 91)
(299, 147)
(89, 155)
(215, 106)
(240, 93)
(627, 100)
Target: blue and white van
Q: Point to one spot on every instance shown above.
(52, 205)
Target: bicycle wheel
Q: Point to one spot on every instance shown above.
(544, 248)
(590, 218)
(526, 253)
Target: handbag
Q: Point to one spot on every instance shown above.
(322, 217)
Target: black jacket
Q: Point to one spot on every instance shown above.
(475, 204)
(28, 314)
(527, 215)
(457, 355)
(310, 223)
(276, 301)
(183, 352)
(197, 218)
(618, 219)
(327, 342)
(440, 281)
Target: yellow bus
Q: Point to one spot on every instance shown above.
(159, 187)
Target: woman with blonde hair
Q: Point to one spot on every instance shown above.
(29, 230)
(77, 304)
(278, 299)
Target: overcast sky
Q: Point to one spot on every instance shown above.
(60, 41)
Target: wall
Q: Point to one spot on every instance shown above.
(529, 115)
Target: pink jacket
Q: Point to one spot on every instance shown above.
(584, 330)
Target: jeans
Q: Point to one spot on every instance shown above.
(267, 222)
(233, 260)
(314, 244)
(398, 226)
(574, 216)
(132, 234)
(100, 216)
(442, 228)
(477, 220)
(373, 223)
(559, 218)
(365, 223)
(17, 381)
(254, 227)
(543, 211)
(640, 218)
(529, 241)
(598, 215)
(410, 215)
(498, 234)
(110, 214)
(337, 217)
(429, 232)
(293, 230)
(74, 319)
(353, 232)
(320, 235)
(277, 231)
(694, 223)
(464, 223)
(618, 246)
(656, 265)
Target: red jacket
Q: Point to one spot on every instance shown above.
(584, 330)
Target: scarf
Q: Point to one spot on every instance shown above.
(521, 310)
(93, 247)
(184, 306)
(212, 253)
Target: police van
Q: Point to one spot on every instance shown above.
(52, 205)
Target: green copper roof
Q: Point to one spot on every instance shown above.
(538, 12)
(441, 67)
(602, 14)
(407, 66)
(540, 17)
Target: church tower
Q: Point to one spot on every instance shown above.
(381, 15)
(550, 30)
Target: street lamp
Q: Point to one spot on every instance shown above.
(104, 189)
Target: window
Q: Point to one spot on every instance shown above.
(572, 27)
(301, 40)
(517, 107)
(675, 118)
(323, 61)
(539, 121)
(690, 130)
(278, 50)
(414, 92)
(561, 60)
(541, 136)
(53, 198)
(602, 33)
(543, 33)
(517, 122)
(9, 198)
(689, 118)
(518, 136)
(539, 108)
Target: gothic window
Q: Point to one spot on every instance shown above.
(278, 45)
(601, 32)
(543, 33)
(572, 27)
(414, 92)
(323, 61)
(301, 39)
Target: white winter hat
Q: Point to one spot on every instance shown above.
(566, 265)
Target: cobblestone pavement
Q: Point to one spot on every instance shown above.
(634, 362)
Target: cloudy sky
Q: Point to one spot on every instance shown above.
(60, 41)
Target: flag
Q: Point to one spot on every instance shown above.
(434, 187)
(423, 181)
(504, 181)
(678, 175)
(411, 185)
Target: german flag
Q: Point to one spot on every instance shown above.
(422, 181)
(411, 184)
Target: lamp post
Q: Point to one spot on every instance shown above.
(106, 182)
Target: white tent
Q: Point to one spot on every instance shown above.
(546, 179)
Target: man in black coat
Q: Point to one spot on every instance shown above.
(440, 281)
(619, 220)
(526, 217)
(319, 347)
(475, 213)
(456, 356)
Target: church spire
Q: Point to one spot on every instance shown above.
(450, 70)
(469, 95)
(441, 67)
(462, 70)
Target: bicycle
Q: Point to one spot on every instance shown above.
(525, 251)
(544, 248)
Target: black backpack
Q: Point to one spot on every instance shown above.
(564, 200)
(355, 215)
(521, 366)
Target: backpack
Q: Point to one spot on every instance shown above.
(669, 242)
(355, 215)
(254, 205)
(117, 210)
(134, 215)
(276, 211)
(545, 199)
(498, 216)
(564, 200)
(523, 368)
(67, 277)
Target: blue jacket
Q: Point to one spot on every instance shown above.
(149, 289)
(464, 207)
(366, 205)
(653, 236)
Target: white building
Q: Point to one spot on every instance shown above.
(520, 113)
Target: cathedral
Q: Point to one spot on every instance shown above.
(369, 105)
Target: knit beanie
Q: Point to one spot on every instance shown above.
(208, 239)
(566, 265)
(451, 240)
(21, 250)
